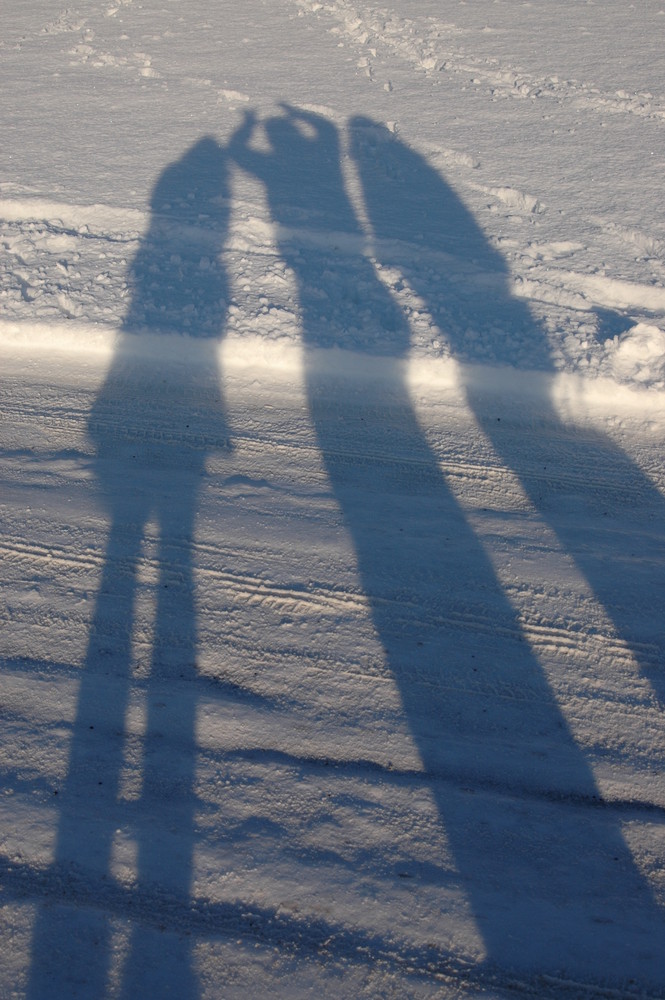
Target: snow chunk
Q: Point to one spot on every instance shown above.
(518, 200)
(639, 355)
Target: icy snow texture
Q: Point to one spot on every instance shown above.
(333, 403)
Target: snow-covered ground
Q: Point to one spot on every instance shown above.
(332, 568)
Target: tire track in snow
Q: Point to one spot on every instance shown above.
(308, 935)
(487, 484)
(329, 602)
(266, 744)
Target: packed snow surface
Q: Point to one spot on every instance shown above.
(332, 570)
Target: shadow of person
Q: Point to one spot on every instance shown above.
(536, 857)
(564, 470)
(125, 837)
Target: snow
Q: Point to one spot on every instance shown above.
(333, 398)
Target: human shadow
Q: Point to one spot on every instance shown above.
(564, 470)
(129, 789)
(536, 854)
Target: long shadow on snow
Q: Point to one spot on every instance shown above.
(146, 473)
(551, 888)
(565, 471)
